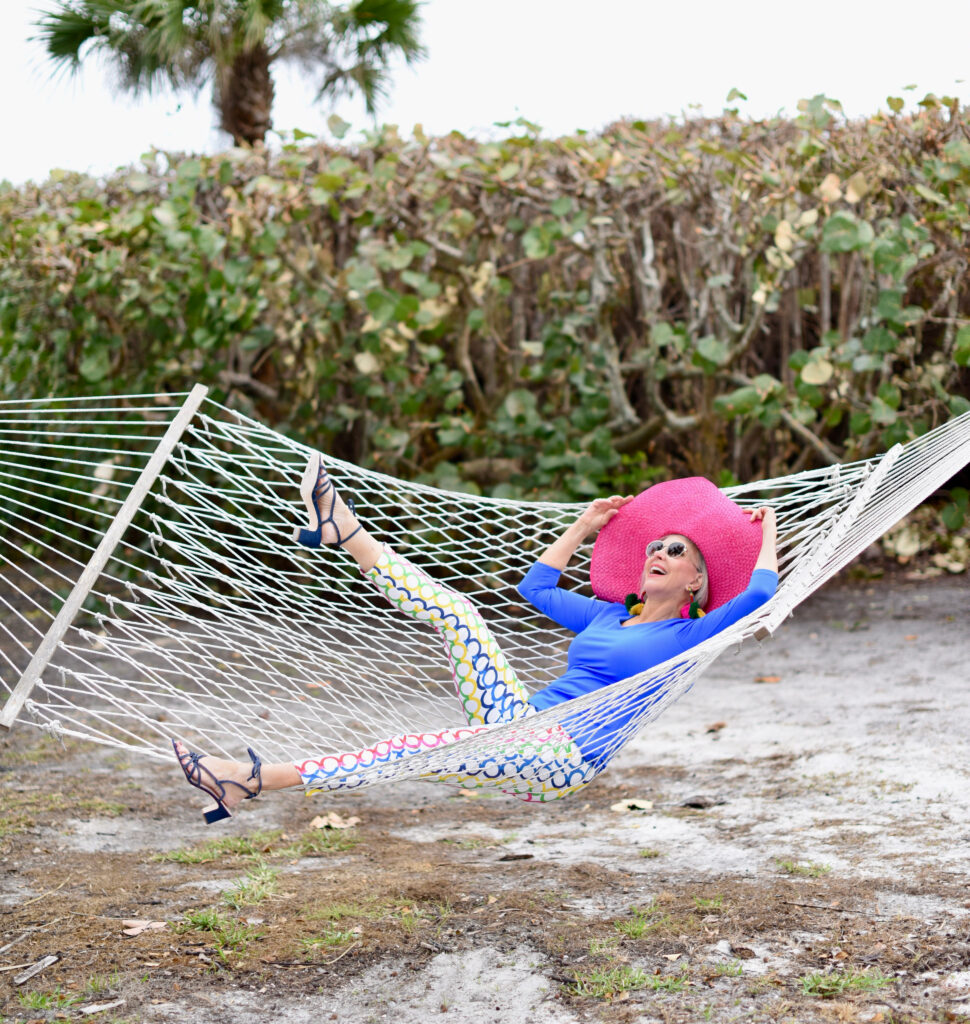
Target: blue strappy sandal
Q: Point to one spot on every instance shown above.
(314, 488)
(195, 775)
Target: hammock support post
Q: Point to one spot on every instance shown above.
(99, 559)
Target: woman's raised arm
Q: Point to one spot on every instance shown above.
(592, 520)
(768, 556)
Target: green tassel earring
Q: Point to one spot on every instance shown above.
(694, 611)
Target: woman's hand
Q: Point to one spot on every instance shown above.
(601, 511)
(768, 556)
(592, 520)
(766, 514)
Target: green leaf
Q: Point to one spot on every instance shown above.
(889, 304)
(536, 244)
(508, 170)
(932, 195)
(520, 404)
(843, 232)
(96, 365)
(817, 372)
(711, 353)
(961, 348)
(362, 278)
(890, 394)
(860, 423)
(867, 363)
(740, 402)
(661, 334)
(952, 516)
(165, 214)
(879, 339)
(895, 103)
(882, 413)
(338, 126)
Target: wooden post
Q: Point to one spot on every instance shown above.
(99, 559)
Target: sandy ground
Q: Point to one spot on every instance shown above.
(791, 842)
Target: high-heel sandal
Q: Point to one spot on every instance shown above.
(195, 772)
(314, 488)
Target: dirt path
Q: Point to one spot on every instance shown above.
(801, 854)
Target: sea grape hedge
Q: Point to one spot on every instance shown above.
(555, 317)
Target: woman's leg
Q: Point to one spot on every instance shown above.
(487, 685)
(544, 767)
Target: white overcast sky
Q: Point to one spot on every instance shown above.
(565, 64)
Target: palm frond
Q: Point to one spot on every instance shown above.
(65, 30)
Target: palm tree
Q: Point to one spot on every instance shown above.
(234, 43)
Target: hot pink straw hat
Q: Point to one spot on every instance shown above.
(692, 507)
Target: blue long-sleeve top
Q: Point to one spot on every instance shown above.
(605, 651)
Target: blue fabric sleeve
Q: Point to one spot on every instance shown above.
(540, 587)
(762, 586)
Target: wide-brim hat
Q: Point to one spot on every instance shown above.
(692, 507)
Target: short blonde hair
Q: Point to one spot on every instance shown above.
(705, 591)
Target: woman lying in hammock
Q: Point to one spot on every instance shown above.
(682, 546)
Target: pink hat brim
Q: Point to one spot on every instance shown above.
(692, 507)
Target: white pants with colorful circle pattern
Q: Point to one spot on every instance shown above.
(547, 766)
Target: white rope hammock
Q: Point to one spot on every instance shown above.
(233, 636)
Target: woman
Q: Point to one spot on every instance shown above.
(721, 563)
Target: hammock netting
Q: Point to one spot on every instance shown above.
(208, 623)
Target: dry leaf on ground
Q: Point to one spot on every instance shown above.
(632, 805)
(333, 820)
(137, 926)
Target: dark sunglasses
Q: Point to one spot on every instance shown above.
(675, 548)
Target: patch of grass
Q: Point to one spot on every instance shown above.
(667, 982)
(758, 986)
(803, 869)
(98, 984)
(339, 911)
(102, 808)
(471, 843)
(607, 983)
(255, 845)
(649, 854)
(320, 841)
(20, 809)
(328, 939)
(715, 903)
(408, 919)
(53, 1000)
(600, 947)
(314, 843)
(227, 935)
(728, 970)
(827, 986)
(644, 921)
(260, 883)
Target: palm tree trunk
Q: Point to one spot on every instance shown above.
(244, 98)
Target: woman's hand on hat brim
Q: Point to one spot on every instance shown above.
(765, 514)
(768, 556)
(601, 511)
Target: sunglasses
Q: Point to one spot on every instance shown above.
(675, 548)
